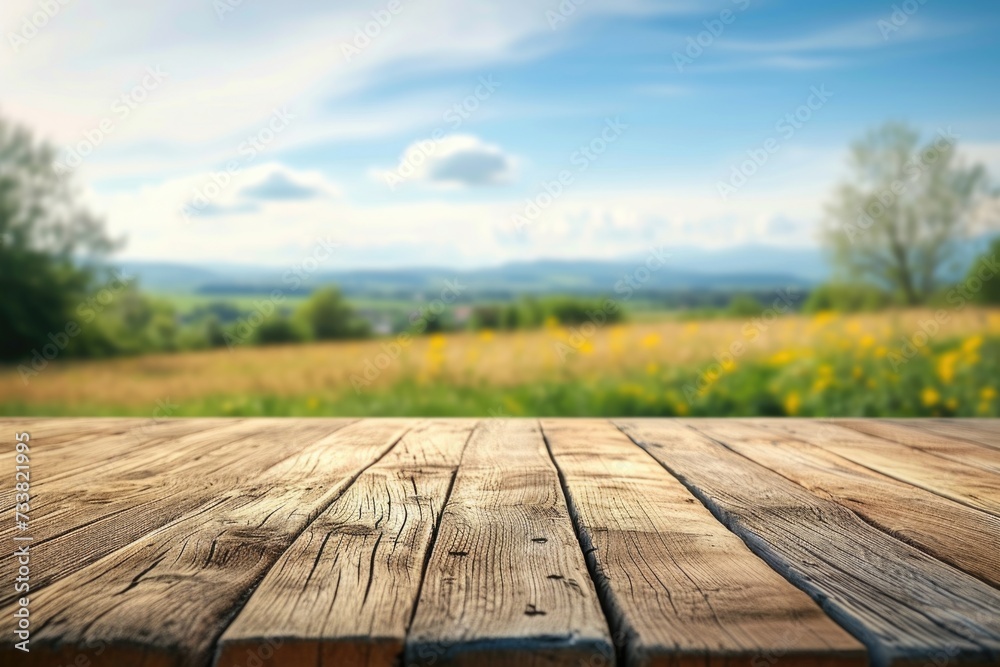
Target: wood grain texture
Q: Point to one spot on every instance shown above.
(506, 583)
(966, 484)
(960, 451)
(952, 532)
(906, 606)
(970, 430)
(344, 592)
(678, 586)
(78, 448)
(78, 520)
(165, 599)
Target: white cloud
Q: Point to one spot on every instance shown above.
(858, 35)
(582, 222)
(227, 76)
(452, 161)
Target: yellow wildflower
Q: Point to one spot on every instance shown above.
(650, 340)
(988, 393)
(946, 367)
(312, 403)
(437, 342)
(782, 358)
(951, 404)
(929, 397)
(972, 344)
(792, 403)
(486, 335)
(652, 368)
(824, 317)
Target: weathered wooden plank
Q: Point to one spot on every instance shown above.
(681, 589)
(952, 532)
(506, 582)
(960, 451)
(71, 436)
(85, 519)
(953, 429)
(966, 484)
(344, 592)
(169, 595)
(903, 604)
(986, 423)
(78, 448)
(60, 474)
(60, 429)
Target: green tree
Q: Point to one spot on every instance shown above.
(984, 271)
(744, 305)
(328, 316)
(846, 298)
(898, 220)
(48, 245)
(277, 329)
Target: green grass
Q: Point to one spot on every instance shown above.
(953, 378)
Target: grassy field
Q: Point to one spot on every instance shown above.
(796, 365)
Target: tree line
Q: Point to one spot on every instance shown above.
(894, 230)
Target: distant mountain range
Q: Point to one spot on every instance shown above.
(686, 269)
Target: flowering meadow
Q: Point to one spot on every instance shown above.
(891, 363)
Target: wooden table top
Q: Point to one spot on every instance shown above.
(250, 542)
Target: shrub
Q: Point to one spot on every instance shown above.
(275, 330)
(328, 316)
(847, 298)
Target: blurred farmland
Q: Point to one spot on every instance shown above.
(825, 364)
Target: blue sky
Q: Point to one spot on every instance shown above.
(249, 131)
